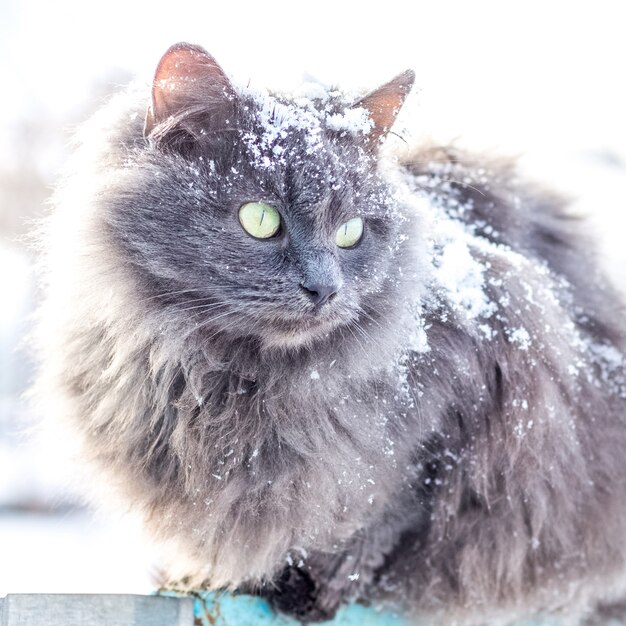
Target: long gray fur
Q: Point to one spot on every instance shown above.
(467, 465)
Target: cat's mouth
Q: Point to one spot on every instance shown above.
(282, 327)
(304, 329)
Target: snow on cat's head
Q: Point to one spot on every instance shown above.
(257, 215)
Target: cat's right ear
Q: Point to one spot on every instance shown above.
(187, 79)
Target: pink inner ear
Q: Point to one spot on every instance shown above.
(384, 103)
(185, 76)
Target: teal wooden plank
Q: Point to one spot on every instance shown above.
(173, 609)
(221, 609)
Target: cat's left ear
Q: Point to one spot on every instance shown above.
(187, 77)
(383, 105)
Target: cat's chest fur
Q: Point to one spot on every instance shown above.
(280, 415)
(262, 454)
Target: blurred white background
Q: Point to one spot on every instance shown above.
(541, 80)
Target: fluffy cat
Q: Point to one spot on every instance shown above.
(327, 374)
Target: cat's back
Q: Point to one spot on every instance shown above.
(497, 205)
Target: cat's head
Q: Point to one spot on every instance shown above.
(259, 215)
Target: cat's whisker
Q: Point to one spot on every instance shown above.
(374, 308)
(167, 294)
(456, 181)
(227, 327)
(209, 289)
(367, 339)
(201, 308)
(356, 338)
(238, 311)
(370, 317)
(468, 186)
(363, 330)
(192, 300)
(372, 340)
(399, 136)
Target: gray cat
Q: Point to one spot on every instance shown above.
(327, 374)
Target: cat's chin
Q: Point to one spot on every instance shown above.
(286, 330)
(290, 337)
(290, 340)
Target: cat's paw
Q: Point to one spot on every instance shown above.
(296, 593)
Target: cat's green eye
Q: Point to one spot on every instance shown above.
(259, 220)
(349, 233)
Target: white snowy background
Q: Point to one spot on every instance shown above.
(541, 80)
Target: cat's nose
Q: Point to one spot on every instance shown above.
(319, 293)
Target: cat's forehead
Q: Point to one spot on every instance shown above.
(281, 128)
(311, 143)
(311, 114)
